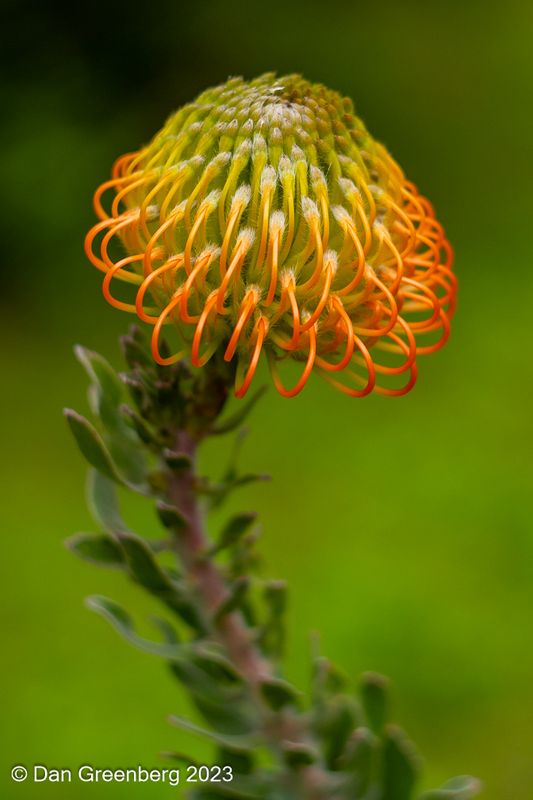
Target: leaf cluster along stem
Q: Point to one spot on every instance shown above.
(225, 641)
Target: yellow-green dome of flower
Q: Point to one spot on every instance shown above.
(264, 217)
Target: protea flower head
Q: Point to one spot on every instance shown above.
(264, 217)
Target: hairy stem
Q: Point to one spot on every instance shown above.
(192, 543)
(231, 631)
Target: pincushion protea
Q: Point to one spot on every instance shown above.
(264, 216)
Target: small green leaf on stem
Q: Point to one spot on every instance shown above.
(135, 349)
(144, 431)
(122, 622)
(272, 635)
(234, 599)
(92, 445)
(464, 787)
(177, 461)
(359, 758)
(97, 549)
(109, 389)
(278, 693)
(171, 517)
(103, 502)
(167, 630)
(235, 420)
(298, 755)
(182, 758)
(400, 765)
(231, 741)
(374, 688)
(142, 564)
(233, 531)
(339, 720)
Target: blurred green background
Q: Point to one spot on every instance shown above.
(404, 527)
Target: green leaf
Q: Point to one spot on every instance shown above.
(145, 569)
(171, 517)
(109, 394)
(234, 599)
(241, 761)
(92, 446)
(328, 679)
(135, 348)
(272, 633)
(245, 742)
(216, 665)
(142, 428)
(97, 549)
(233, 531)
(299, 755)
(122, 622)
(235, 420)
(339, 724)
(183, 758)
(177, 460)
(143, 565)
(463, 787)
(359, 758)
(278, 693)
(400, 765)
(167, 630)
(106, 396)
(103, 502)
(231, 480)
(374, 698)
(219, 492)
(209, 674)
(226, 713)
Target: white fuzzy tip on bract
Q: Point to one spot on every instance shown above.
(277, 222)
(255, 290)
(152, 212)
(341, 215)
(194, 162)
(246, 238)
(285, 168)
(288, 276)
(259, 143)
(297, 153)
(268, 178)
(221, 159)
(331, 260)
(211, 200)
(348, 188)
(318, 178)
(379, 227)
(212, 250)
(244, 149)
(376, 190)
(179, 210)
(242, 195)
(309, 209)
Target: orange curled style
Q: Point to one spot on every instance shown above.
(165, 361)
(196, 359)
(261, 330)
(305, 374)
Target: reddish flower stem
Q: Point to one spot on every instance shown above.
(192, 543)
(310, 782)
